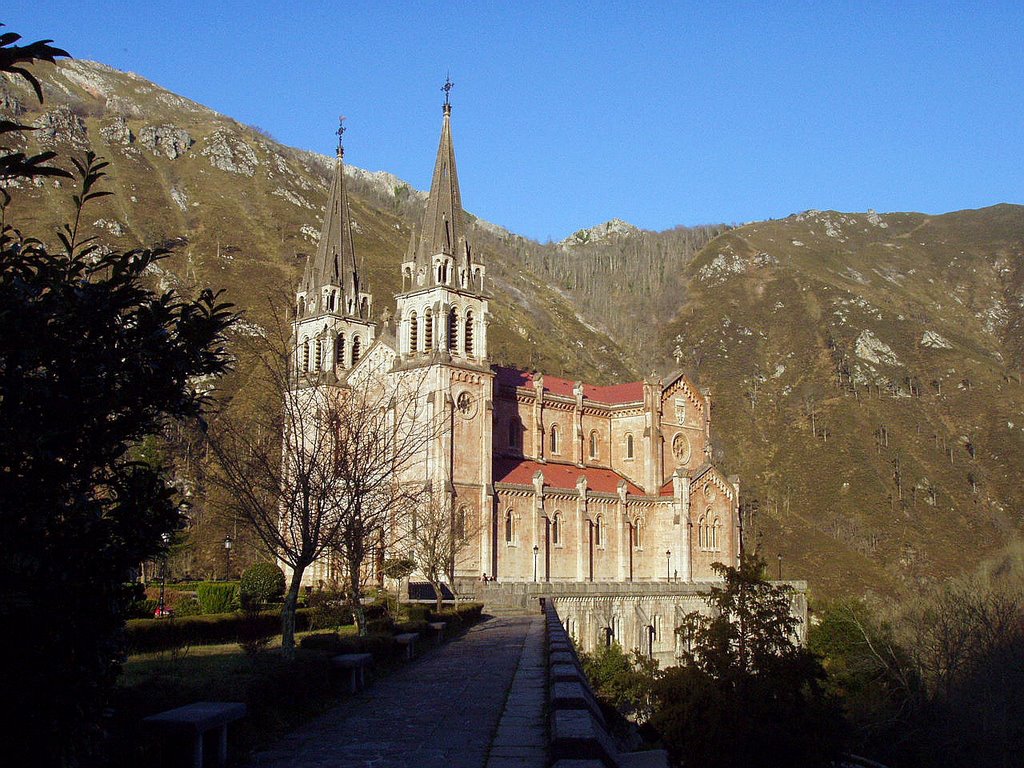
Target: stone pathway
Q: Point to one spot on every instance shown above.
(477, 702)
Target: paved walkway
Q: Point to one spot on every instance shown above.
(477, 702)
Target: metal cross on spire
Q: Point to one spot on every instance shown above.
(341, 133)
(447, 88)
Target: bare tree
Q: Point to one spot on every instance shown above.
(438, 530)
(314, 463)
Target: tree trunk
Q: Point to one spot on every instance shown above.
(436, 584)
(355, 601)
(291, 602)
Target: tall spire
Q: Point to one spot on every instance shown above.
(335, 260)
(443, 227)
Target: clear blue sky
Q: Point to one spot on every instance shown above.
(569, 114)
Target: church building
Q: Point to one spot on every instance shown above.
(546, 479)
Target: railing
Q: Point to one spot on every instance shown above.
(578, 730)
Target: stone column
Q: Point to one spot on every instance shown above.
(581, 516)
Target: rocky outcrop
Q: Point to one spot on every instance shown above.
(61, 126)
(118, 132)
(167, 140)
(228, 152)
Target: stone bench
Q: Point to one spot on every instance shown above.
(408, 639)
(355, 664)
(438, 627)
(196, 720)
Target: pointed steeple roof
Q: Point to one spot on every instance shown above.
(443, 226)
(335, 260)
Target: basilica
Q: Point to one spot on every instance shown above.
(547, 479)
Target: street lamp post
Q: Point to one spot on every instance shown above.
(228, 543)
(668, 565)
(161, 606)
(536, 551)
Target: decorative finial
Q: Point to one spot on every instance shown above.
(447, 88)
(341, 133)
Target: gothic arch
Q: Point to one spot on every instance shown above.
(453, 330)
(554, 444)
(339, 351)
(593, 444)
(414, 332)
(357, 349)
(468, 335)
(428, 329)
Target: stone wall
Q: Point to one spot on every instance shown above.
(641, 616)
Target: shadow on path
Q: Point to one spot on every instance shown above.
(441, 710)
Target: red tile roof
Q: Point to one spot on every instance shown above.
(631, 392)
(556, 475)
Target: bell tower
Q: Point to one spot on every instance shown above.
(332, 310)
(442, 309)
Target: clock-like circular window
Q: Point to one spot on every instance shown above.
(681, 448)
(710, 493)
(465, 404)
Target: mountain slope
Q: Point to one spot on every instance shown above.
(866, 372)
(865, 368)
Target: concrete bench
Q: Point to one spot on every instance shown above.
(196, 720)
(408, 639)
(438, 627)
(355, 664)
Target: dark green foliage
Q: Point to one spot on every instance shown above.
(12, 60)
(623, 682)
(91, 362)
(399, 567)
(148, 635)
(745, 693)
(382, 646)
(417, 612)
(329, 609)
(217, 596)
(940, 682)
(262, 583)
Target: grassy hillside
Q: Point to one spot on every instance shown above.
(866, 374)
(866, 369)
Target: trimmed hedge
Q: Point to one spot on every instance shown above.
(382, 647)
(148, 635)
(262, 583)
(217, 597)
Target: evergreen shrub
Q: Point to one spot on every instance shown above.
(217, 597)
(261, 584)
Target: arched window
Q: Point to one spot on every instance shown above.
(414, 332)
(356, 349)
(554, 438)
(638, 534)
(339, 351)
(556, 529)
(305, 355)
(302, 306)
(598, 531)
(428, 330)
(513, 433)
(461, 519)
(702, 533)
(629, 446)
(318, 360)
(364, 308)
(468, 335)
(510, 528)
(593, 445)
(453, 330)
(440, 273)
(331, 298)
(714, 533)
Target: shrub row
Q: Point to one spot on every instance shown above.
(382, 646)
(148, 635)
